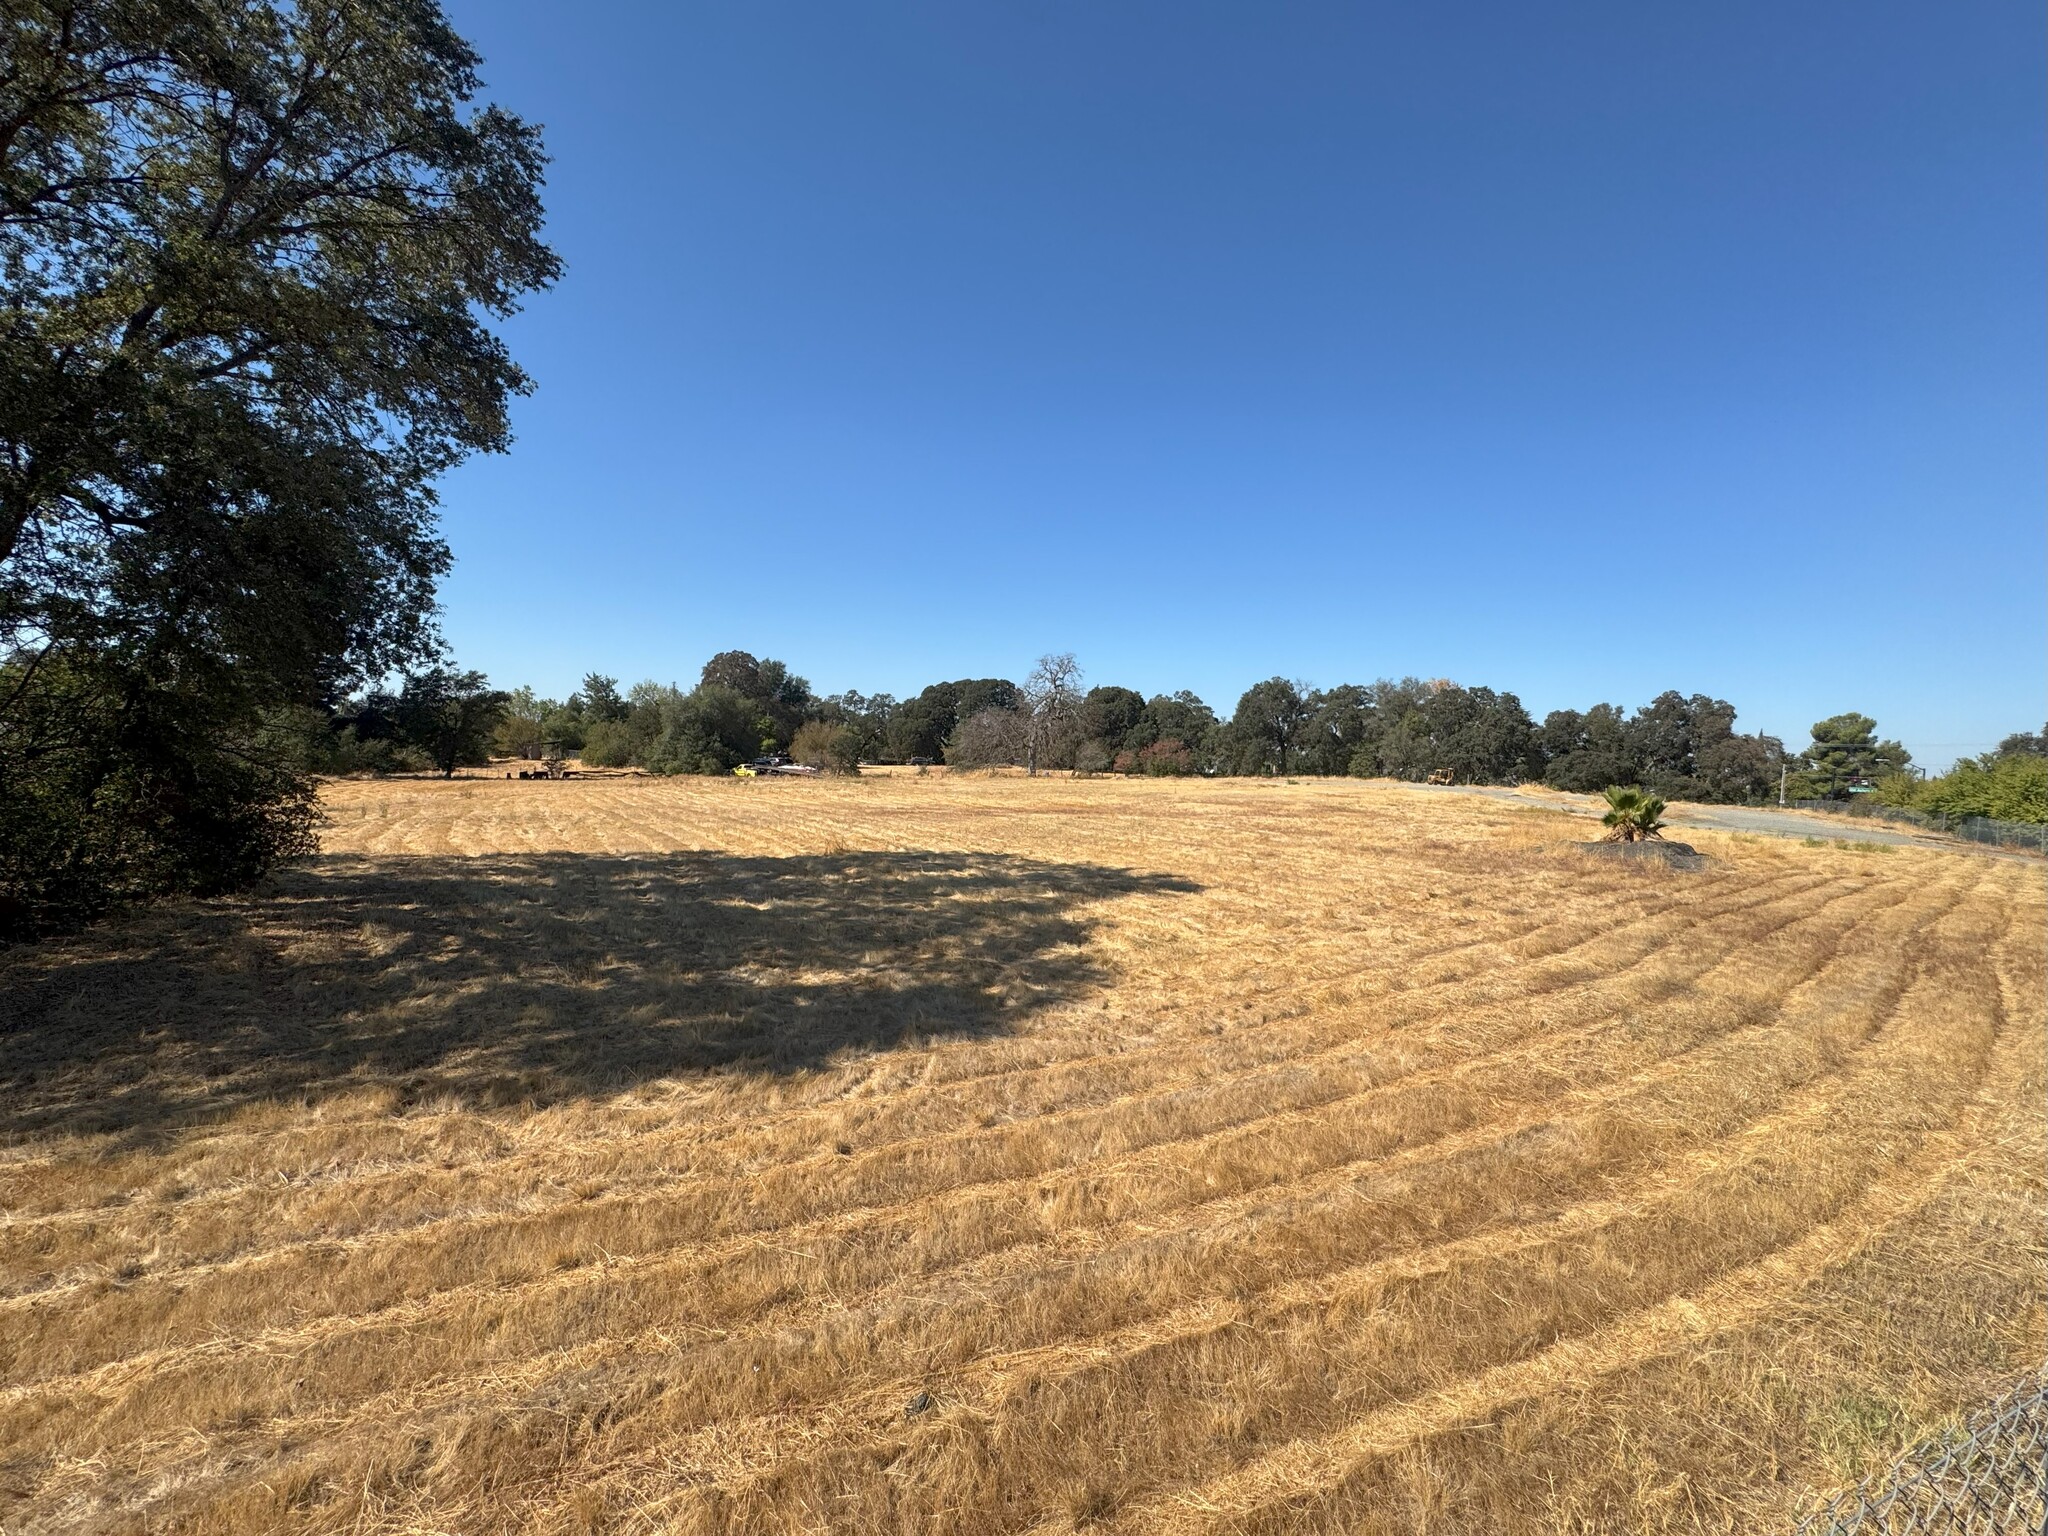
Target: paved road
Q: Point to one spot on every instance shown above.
(1766, 822)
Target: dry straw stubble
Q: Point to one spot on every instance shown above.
(628, 1154)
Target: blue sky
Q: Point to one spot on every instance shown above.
(1583, 351)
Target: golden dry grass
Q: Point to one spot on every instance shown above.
(1248, 1157)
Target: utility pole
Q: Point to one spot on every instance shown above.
(1783, 764)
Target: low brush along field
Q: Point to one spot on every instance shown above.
(934, 1154)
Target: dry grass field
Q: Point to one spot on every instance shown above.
(927, 1154)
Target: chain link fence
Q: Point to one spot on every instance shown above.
(1976, 829)
(1988, 1478)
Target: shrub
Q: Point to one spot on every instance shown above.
(119, 786)
(1168, 757)
(1632, 815)
(346, 754)
(1091, 758)
(833, 748)
(1589, 771)
(2009, 788)
(608, 744)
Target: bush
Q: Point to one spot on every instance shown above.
(1589, 771)
(1168, 757)
(121, 786)
(1091, 758)
(607, 744)
(566, 730)
(2009, 788)
(1632, 815)
(832, 748)
(347, 755)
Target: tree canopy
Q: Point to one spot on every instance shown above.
(251, 254)
(1845, 753)
(1269, 718)
(448, 715)
(920, 727)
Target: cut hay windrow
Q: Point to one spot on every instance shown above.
(1006, 1155)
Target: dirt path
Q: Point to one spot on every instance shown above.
(1764, 821)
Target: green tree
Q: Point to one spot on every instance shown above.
(2009, 786)
(1481, 736)
(521, 729)
(630, 738)
(1403, 751)
(2003, 785)
(600, 701)
(1666, 737)
(449, 715)
(1740, 770)
(1341, 723)
(1109, 715)
(250, 257)
(711, 730)
(781, 697)
(562, 728)
(1586, 752)
(1845, 752)
(1269, 719)
(1683, 747)
(2025, 744)
(608, 744)
(1181, 717)
(866, 718)
(116, 790)
(920, 727)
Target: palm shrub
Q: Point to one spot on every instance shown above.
(1632, 814)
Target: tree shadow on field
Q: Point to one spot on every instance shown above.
(533, 978)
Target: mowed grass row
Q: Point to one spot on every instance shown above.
(321, 1154)
(994, 1214)
(625, 1155)
(970, 1157)
(1138, 1098)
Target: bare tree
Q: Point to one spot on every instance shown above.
(1052, 701)
(989, 737)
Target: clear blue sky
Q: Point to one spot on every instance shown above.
(1583, 351)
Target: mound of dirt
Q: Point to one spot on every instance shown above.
(1676, 855)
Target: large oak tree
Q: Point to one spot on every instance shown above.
(251, 254)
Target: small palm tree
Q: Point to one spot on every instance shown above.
(1632, 815)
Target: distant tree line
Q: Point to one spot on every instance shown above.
(1678, 746)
